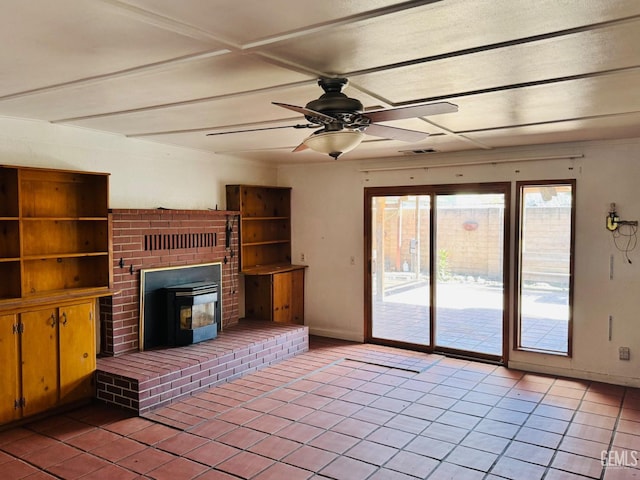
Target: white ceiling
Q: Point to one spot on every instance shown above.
(521, 71)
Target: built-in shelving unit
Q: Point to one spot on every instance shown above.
(55, 260)
(265, 229)
(274, 288)
(54, 232)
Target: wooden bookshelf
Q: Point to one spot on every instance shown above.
(274, 287)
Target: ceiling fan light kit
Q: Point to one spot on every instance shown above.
(335, 143)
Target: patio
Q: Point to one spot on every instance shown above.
(470, 317)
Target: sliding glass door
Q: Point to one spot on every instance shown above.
(436, 278)
(469, 280)
(400, 259)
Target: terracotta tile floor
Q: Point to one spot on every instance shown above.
(348, 412)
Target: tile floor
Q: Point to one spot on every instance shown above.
(348, 412)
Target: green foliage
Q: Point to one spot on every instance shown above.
(443, 265)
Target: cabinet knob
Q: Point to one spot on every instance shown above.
(64, 318)
(53, 320)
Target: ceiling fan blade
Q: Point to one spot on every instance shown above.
(299, 148)
(309, 113)
(395, 133)
(305, 125)
(410, 111)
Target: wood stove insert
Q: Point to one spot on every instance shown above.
(191, 313)
(154, 311)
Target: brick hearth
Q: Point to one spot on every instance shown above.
(146, 380)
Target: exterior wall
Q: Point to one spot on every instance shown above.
(120, 314)
(473, 252)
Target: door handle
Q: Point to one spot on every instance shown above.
(53, 321)
(64, 318)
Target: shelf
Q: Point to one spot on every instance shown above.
(265, 228)
(8, 193)
(64, 255)
(44, 275)
(65, 219)
(267, 254)
(10, 275)
(262, 219)
(63, 194)
(271, 269)
(266, 242)
(9, 259)
(45, 238)
(9, 238)
(9, 219)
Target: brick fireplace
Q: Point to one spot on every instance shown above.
(147, 239)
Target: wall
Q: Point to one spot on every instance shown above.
(143, 174)
(327, 216)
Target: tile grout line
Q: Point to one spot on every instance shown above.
(613, 432)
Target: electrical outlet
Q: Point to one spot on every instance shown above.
(303, 257)
(625, 353)
(352, 260)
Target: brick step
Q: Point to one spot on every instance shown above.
(146, 380)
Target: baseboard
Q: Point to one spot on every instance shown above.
(573, 373)
(339, 334)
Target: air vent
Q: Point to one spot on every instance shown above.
(419, 151)
(180, 241)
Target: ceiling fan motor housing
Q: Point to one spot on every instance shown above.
(333, 101)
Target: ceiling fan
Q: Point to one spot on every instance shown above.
(344, 121)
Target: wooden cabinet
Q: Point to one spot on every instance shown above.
(10, 378)
(38, 360)
(55, 260)
(274, 288)
(49, 357)
(277, 296)
(76, 330)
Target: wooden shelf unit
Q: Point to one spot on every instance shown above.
(54, 232)
(274, 288)
(265, 223)
(55, 260)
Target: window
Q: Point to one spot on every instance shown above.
(545, 266)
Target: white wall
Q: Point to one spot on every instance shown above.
(143, 174)
(328, 228)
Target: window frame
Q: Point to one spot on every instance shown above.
(517, 335)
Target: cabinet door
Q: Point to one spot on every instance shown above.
(77, 351)
(39, 360)
(10, 362)
(258, 298)
(282, 289)
(297, 297)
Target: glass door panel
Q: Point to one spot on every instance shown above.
(400, 266)
(546, 246)
(469, 283)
